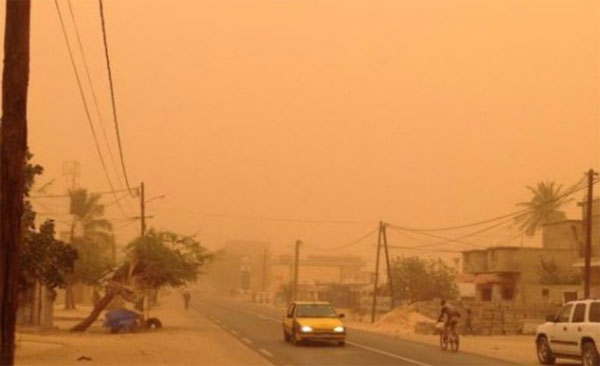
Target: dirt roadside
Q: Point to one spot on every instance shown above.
(187, 338)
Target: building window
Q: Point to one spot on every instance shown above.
(545, 292)
(508, 293)
(486, 294)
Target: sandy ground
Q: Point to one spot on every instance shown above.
(187, 338)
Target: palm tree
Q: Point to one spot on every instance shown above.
(543, 208)
(88, 215)
(90, 229)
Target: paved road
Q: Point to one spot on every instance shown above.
(259, 328)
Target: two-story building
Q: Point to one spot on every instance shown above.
(514, 273)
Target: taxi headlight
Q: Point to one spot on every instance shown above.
(338, 329)
(306, 329)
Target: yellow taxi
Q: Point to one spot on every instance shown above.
(313, 321)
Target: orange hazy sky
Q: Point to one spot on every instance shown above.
(421, 113)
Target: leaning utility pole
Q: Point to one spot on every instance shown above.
(13, 149)
(588, 234)
(382, 228)
(143, 210)
(296, 265)
(373, 309)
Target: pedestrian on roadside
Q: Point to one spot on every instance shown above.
(186, 299)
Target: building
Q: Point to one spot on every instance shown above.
(515, 273)
(330, 278)
(240, 267)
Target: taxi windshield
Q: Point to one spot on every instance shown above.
(315, 311)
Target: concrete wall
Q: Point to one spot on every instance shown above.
(566, 234)
(474, 261)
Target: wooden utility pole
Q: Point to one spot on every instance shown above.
(143, 210)
(383, 228)
(264, 271)
(13, 148)
(374, 308)
(296, 265)
(588, 234)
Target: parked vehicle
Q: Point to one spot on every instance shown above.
(315, 321)
(573, 333)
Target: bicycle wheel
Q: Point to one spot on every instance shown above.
(443, 341)
(454, 342)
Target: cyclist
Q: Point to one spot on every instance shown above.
(452, 316)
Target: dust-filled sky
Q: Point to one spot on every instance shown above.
(421, 113)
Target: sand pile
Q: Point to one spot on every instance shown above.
(401, 320)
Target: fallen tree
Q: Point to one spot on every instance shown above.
(154, 261)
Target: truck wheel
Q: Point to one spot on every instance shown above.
(544, 353)
(589, 354)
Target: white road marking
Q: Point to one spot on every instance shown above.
(246, 340)
(265, 352)
(388, 354)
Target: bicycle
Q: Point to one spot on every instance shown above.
(449, 339)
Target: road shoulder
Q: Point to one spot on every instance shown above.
(188, 338)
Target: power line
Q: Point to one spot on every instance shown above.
(352, 243)
(574, 189)
(93, 91)
(66, 195)
(112, 97)
(445, 240)
(276, 219)
(86, 108)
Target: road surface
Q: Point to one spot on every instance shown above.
(259, 328)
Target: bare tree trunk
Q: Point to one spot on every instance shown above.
(13, 141)
(101, 305)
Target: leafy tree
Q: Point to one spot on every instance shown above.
(418, 279)
(153, 261)
(543, 208)
(45, 259)
(165, 259)
(551, 273)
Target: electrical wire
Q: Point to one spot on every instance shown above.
(276, 219)
(93, 91)
(580, 185)
(352, 243)
(459, 240)
(66, 195)
(112, 97)
(85, 105)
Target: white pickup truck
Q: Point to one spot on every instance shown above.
(573, 333)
